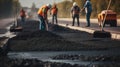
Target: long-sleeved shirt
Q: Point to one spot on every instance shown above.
(43, 11)
(88, 6)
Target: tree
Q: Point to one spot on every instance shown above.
(79, 2)
(7, 7)
(64, 8)
(33, 8)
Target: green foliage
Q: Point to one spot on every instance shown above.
(97, 5)
(8, 7)
(79, 2)
(64, 8)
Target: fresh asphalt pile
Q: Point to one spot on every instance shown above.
(40, 41)
(101, 58)
(32, 39)
(56, 39)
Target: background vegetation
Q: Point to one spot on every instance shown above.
(97, 5)
(8, 8)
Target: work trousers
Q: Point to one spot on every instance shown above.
(77, 17)
(88, 18)
(23, 19)
(54, 17)
(42, 25)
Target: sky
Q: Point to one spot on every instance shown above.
(38, 3)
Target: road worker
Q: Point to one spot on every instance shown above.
(22, 15)
(54, 12)
(88, 10)
(42, 15)
(75, 10)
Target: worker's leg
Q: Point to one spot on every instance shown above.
(52, 19)
(42, 23)
(56, 18)
(23, 19)
(78, 20)
(46, 24)
(73, 20)
(88, 18)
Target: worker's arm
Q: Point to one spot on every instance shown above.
(86, 4)
(82, 9)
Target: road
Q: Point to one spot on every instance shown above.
(115, 31)
(4, 24)
(94, 25)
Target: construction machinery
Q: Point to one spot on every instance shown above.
(111, 18)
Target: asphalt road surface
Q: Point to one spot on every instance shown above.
(94, 24)
(4, 24)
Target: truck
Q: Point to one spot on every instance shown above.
(111, 18)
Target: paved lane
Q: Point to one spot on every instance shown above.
(115, 31)
(4, 24)
(94, 25)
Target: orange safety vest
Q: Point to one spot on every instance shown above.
(54, 10)
(43, 11)
(22, 13)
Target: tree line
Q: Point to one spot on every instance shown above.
(97, 6)
(9, 8)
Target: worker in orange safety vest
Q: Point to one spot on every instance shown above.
(42, 15)
(22, 15)
(54, 11)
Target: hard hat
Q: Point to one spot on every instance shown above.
(49, 5)
(74, 4)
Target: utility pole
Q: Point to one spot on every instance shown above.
(102, 28)
(102, 33)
